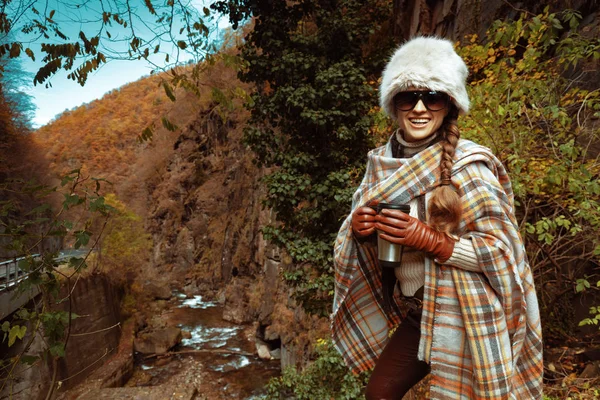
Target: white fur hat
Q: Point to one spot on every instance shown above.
(425, 62)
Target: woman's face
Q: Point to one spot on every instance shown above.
(419, 122)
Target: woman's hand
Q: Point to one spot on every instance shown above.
(363, 220)
(400, 228)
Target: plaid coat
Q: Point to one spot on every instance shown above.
(480, 332)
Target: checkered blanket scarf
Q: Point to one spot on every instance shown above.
(480, 332)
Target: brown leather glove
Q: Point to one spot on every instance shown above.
(363, 221)
(400, 228)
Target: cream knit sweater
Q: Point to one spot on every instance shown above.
(411, 273)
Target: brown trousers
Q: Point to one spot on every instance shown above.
(398, 369)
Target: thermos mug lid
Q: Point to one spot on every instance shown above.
(402, 207)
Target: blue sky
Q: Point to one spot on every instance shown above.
(66, 94)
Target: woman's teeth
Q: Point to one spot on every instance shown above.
(419, 121)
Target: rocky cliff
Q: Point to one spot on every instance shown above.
(206, 228)
(456, 18)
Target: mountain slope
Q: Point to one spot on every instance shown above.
(101, 137)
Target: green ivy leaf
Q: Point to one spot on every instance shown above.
(57, 350)
(582, 284)
(29, 359)
(16, 332)
(82, 238)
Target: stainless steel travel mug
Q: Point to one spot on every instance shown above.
(390, 254)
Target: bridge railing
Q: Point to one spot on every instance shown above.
(11, 274)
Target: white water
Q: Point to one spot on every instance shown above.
(239, 373)
(196, 302)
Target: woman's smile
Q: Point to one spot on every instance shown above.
(419, 122)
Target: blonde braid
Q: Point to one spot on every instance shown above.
(445, 208)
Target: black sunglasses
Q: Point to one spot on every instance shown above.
(434, 101)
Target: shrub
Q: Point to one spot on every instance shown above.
(126, 245)
(326, 377)
(543, 125)
(315, 66)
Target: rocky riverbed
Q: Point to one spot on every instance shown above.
(180, 347)
(218, 357)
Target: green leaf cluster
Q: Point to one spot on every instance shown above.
(583, 284)
(55, 324)
(326, 377)
(315, 71)
(534, 106)
(12, 332)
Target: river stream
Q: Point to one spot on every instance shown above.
(228, 359)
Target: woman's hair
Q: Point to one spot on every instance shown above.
(444, 206)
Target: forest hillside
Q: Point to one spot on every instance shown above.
(104, 137)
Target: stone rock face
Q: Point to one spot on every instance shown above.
(591, 371)
(262, 349)
(276, 354)
(155, 290)
(206, 231)
(271, 278)
(158, 341)
(205, 224)
(185, 248)
(237, 308)
(95, 336)
(454, 19)
(270, 333)
(288, 356)
(98, 301)
(186, 334)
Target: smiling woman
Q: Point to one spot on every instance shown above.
(462, 291)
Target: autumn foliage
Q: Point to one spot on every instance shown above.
(102, 137)
(21, 164)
